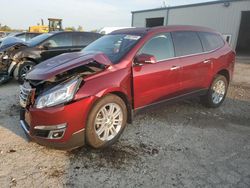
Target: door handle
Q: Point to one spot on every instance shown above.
(207, 61)
(175, 67)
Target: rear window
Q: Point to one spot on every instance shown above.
(186, 43)
(211, 41)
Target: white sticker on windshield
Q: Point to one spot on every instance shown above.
(132, 37)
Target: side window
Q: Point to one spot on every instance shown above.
(186, 43)
(210, 41)
(82, 39)
(160, 46)
(60, 40)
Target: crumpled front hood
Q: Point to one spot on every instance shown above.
(10, 45)
(9, 42)
(64, 62)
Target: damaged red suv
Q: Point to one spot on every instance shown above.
(90, 96)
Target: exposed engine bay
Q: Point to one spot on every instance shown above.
(6, 57)
(31, 89)
(82, 71)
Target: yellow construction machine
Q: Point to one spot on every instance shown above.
(55, 24)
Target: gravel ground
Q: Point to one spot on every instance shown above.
(177, 145)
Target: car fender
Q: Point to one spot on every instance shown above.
(12, 67)
(102, 93)
(27, 54)
(117, 82)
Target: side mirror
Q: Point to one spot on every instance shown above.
(145, 59)
(45, 46)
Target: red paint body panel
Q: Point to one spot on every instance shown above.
(155, 82)
(74, 114)
(142, 85)
(116, 80)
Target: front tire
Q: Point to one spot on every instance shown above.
(106, 121)
(216, 93)
(21, 71)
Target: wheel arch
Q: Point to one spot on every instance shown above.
(28, 59)
(224, 72)
(21, 61)
(16, 68)
(124, 97)
(118, 92)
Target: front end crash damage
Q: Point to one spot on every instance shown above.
(54, 96)
(7, 62)
(53, 72)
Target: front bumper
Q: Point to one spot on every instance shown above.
(77, 139)
(73, 115)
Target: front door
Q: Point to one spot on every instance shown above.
(153, 83)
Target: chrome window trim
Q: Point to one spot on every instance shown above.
(207, 52)
(176, 57)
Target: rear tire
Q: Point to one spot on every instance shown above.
(22, 69)
(216, 93)
(106, 121)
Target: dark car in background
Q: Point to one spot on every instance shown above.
(22, 57)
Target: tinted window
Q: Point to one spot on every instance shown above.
(186, 43)
(84, 39)
(160, 46)
(154, 22)
(211, 41)
(60, 40)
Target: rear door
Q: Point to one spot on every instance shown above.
(59, 44)
(153, 83)
(195, 65)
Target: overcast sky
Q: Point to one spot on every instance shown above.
(90, 14)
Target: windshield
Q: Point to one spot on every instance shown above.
(40, 38)
(114, 46)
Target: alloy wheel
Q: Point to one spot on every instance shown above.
(108, 121)
(25, 69)
(219, 90)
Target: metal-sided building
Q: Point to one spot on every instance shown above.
(229, 17)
